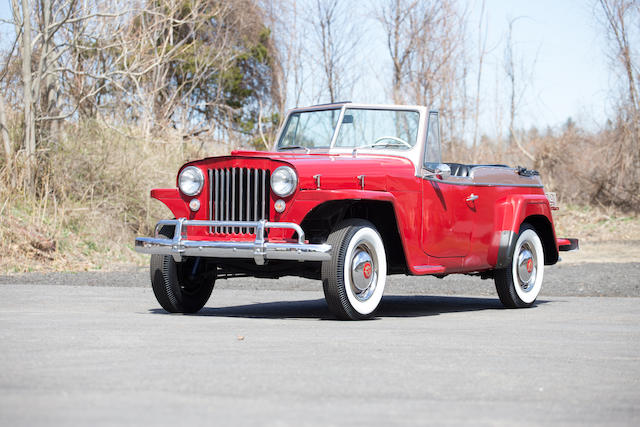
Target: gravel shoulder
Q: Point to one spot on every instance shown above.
(563, 279)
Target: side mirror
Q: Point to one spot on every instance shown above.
(441, 171)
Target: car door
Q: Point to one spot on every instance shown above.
(447, 219)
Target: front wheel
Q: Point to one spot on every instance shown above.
(353, 279)
(181, 287)
(518, 286)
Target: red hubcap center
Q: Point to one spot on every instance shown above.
(529, 265)
(367, 270)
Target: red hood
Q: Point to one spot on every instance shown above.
(337, 171)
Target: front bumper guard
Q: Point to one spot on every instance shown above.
(260, 249)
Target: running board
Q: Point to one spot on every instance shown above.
(429, 269)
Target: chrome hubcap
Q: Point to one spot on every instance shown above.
(364, 272)
(526, 267)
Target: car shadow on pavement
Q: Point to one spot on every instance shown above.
(391, 306)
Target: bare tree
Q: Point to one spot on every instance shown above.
(199, 67)
(4, 127)
(620, 142)
(22, 15)
(4, 134)
(519, 75)
(510, 71)
(425, 40)
(482, 52)
(334, 36)
(38, 25)
(402, 36)
(619, 17)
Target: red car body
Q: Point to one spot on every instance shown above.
(430, 221)
(453, 237)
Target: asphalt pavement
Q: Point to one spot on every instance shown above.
(96, 349)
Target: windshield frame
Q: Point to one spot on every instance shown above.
(420, 133)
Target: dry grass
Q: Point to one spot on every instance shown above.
(597, 224)
(78, 238)
(93, 198)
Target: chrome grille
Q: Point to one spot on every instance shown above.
(238, 194)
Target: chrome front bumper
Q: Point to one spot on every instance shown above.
(259, 249)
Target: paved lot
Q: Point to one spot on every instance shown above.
(79, 355)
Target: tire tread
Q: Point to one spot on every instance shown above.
(166, 284)
(333, 270)
(505, 284)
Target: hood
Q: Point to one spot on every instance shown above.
(341, 171)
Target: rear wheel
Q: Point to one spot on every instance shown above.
(353, 280)
(182, 287)
(518, 286)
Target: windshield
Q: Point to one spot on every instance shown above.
(378, 129)
(310, 129)
(360, 128)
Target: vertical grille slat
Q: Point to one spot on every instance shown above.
(257, 194)
(233, 198)
(226, 198)
(231, 191)
(248, 204)
(240, 197)
(210, 175)
(216, 197)
(264, 193)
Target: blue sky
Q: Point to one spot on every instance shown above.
(570, 78)
(560, 39)
(571, 75)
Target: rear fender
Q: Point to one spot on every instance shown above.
(511, 213)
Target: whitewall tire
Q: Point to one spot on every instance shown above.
(353, 280)
(519, 284)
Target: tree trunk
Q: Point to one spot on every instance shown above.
(4, 134)
(51, 85)
(29, 114)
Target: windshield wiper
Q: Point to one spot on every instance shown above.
(294, 147)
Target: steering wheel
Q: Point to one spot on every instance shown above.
(392, 138)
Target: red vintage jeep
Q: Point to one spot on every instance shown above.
(351, 194)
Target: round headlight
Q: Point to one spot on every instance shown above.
(284, 181)
(191, 180)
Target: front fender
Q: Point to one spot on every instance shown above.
(172, 198)
(406, 208)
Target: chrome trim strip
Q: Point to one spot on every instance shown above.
(260, 249)
(483, 184)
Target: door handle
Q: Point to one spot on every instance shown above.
(472, 197)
